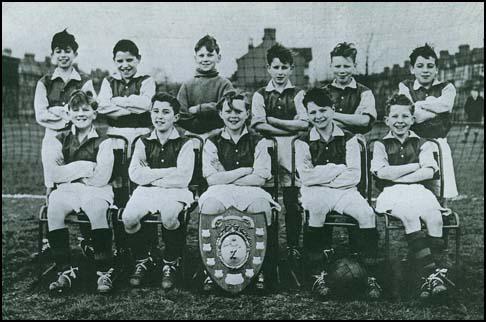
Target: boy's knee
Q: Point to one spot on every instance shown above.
(260, 205)
(212, 207)
(131, 222)
(170, 215)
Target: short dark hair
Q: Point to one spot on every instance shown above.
(425, 51)
(398, 99)
(283, 53)
(126, 45)
(164, 97)
(346, 50)
(64, 40)
(79, 98)
(209, 42)
(319, 96)
(232, 95)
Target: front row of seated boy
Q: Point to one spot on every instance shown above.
(236, 164)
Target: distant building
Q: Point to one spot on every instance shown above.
(251, 72)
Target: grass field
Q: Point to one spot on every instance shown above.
(22, 173)
(20, 301)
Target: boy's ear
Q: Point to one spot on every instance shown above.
(95, 114)
(176, 117)
(219, 58)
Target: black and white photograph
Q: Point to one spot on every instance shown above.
(243, 160)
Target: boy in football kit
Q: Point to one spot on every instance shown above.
(54, 89)
(354, 102)
(402, 162)
(198, 96)
(277, 111)
(162, 165)
(124, 101)
(236, 164)
(80, 163)
(433, 102)
(328, 161)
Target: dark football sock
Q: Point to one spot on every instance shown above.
(293, 217)
(313, 246)
(420, 253)
(59, 242)
(174, 241)
(139, 244)
(102, 244)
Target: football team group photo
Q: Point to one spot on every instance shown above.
(196, 174)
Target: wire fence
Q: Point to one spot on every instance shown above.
(22, 167)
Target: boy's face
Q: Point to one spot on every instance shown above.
(63, 57)
(343, 69)
(126, 64)
(234, 118)
(163, 117)
(206, 60)
(82, 116)
(320, 116)
(279, 71)
(399, 120)
(425, 70)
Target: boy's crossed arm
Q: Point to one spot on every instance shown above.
(274, 126)
(64, 173)
(406, 173)
(311, 175)
(140, 172)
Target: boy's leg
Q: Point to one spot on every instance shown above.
(173, 234)
(293, 219)
(211, 206)
(366, 236)
(102, 238)
(317, 248)
(139, 238)
(269, 268)
(58, 236)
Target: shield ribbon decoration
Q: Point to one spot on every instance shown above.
(233, 247)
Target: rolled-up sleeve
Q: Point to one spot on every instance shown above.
(104, 165)
(42, 114)
(367, 105)
(300, 108)
(380, 158)
(262, 163)
(141, 103)
(426, 156)
(442, 104)
(211, 163)
(258, 114)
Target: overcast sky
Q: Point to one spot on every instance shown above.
(166, 32)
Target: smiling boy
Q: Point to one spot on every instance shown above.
(125, 97)
(162, 166)
(328, 162)
(277, 111)
(403, 162)
(80, 162)
(54, 89)
(198, 96)
(433, 102)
